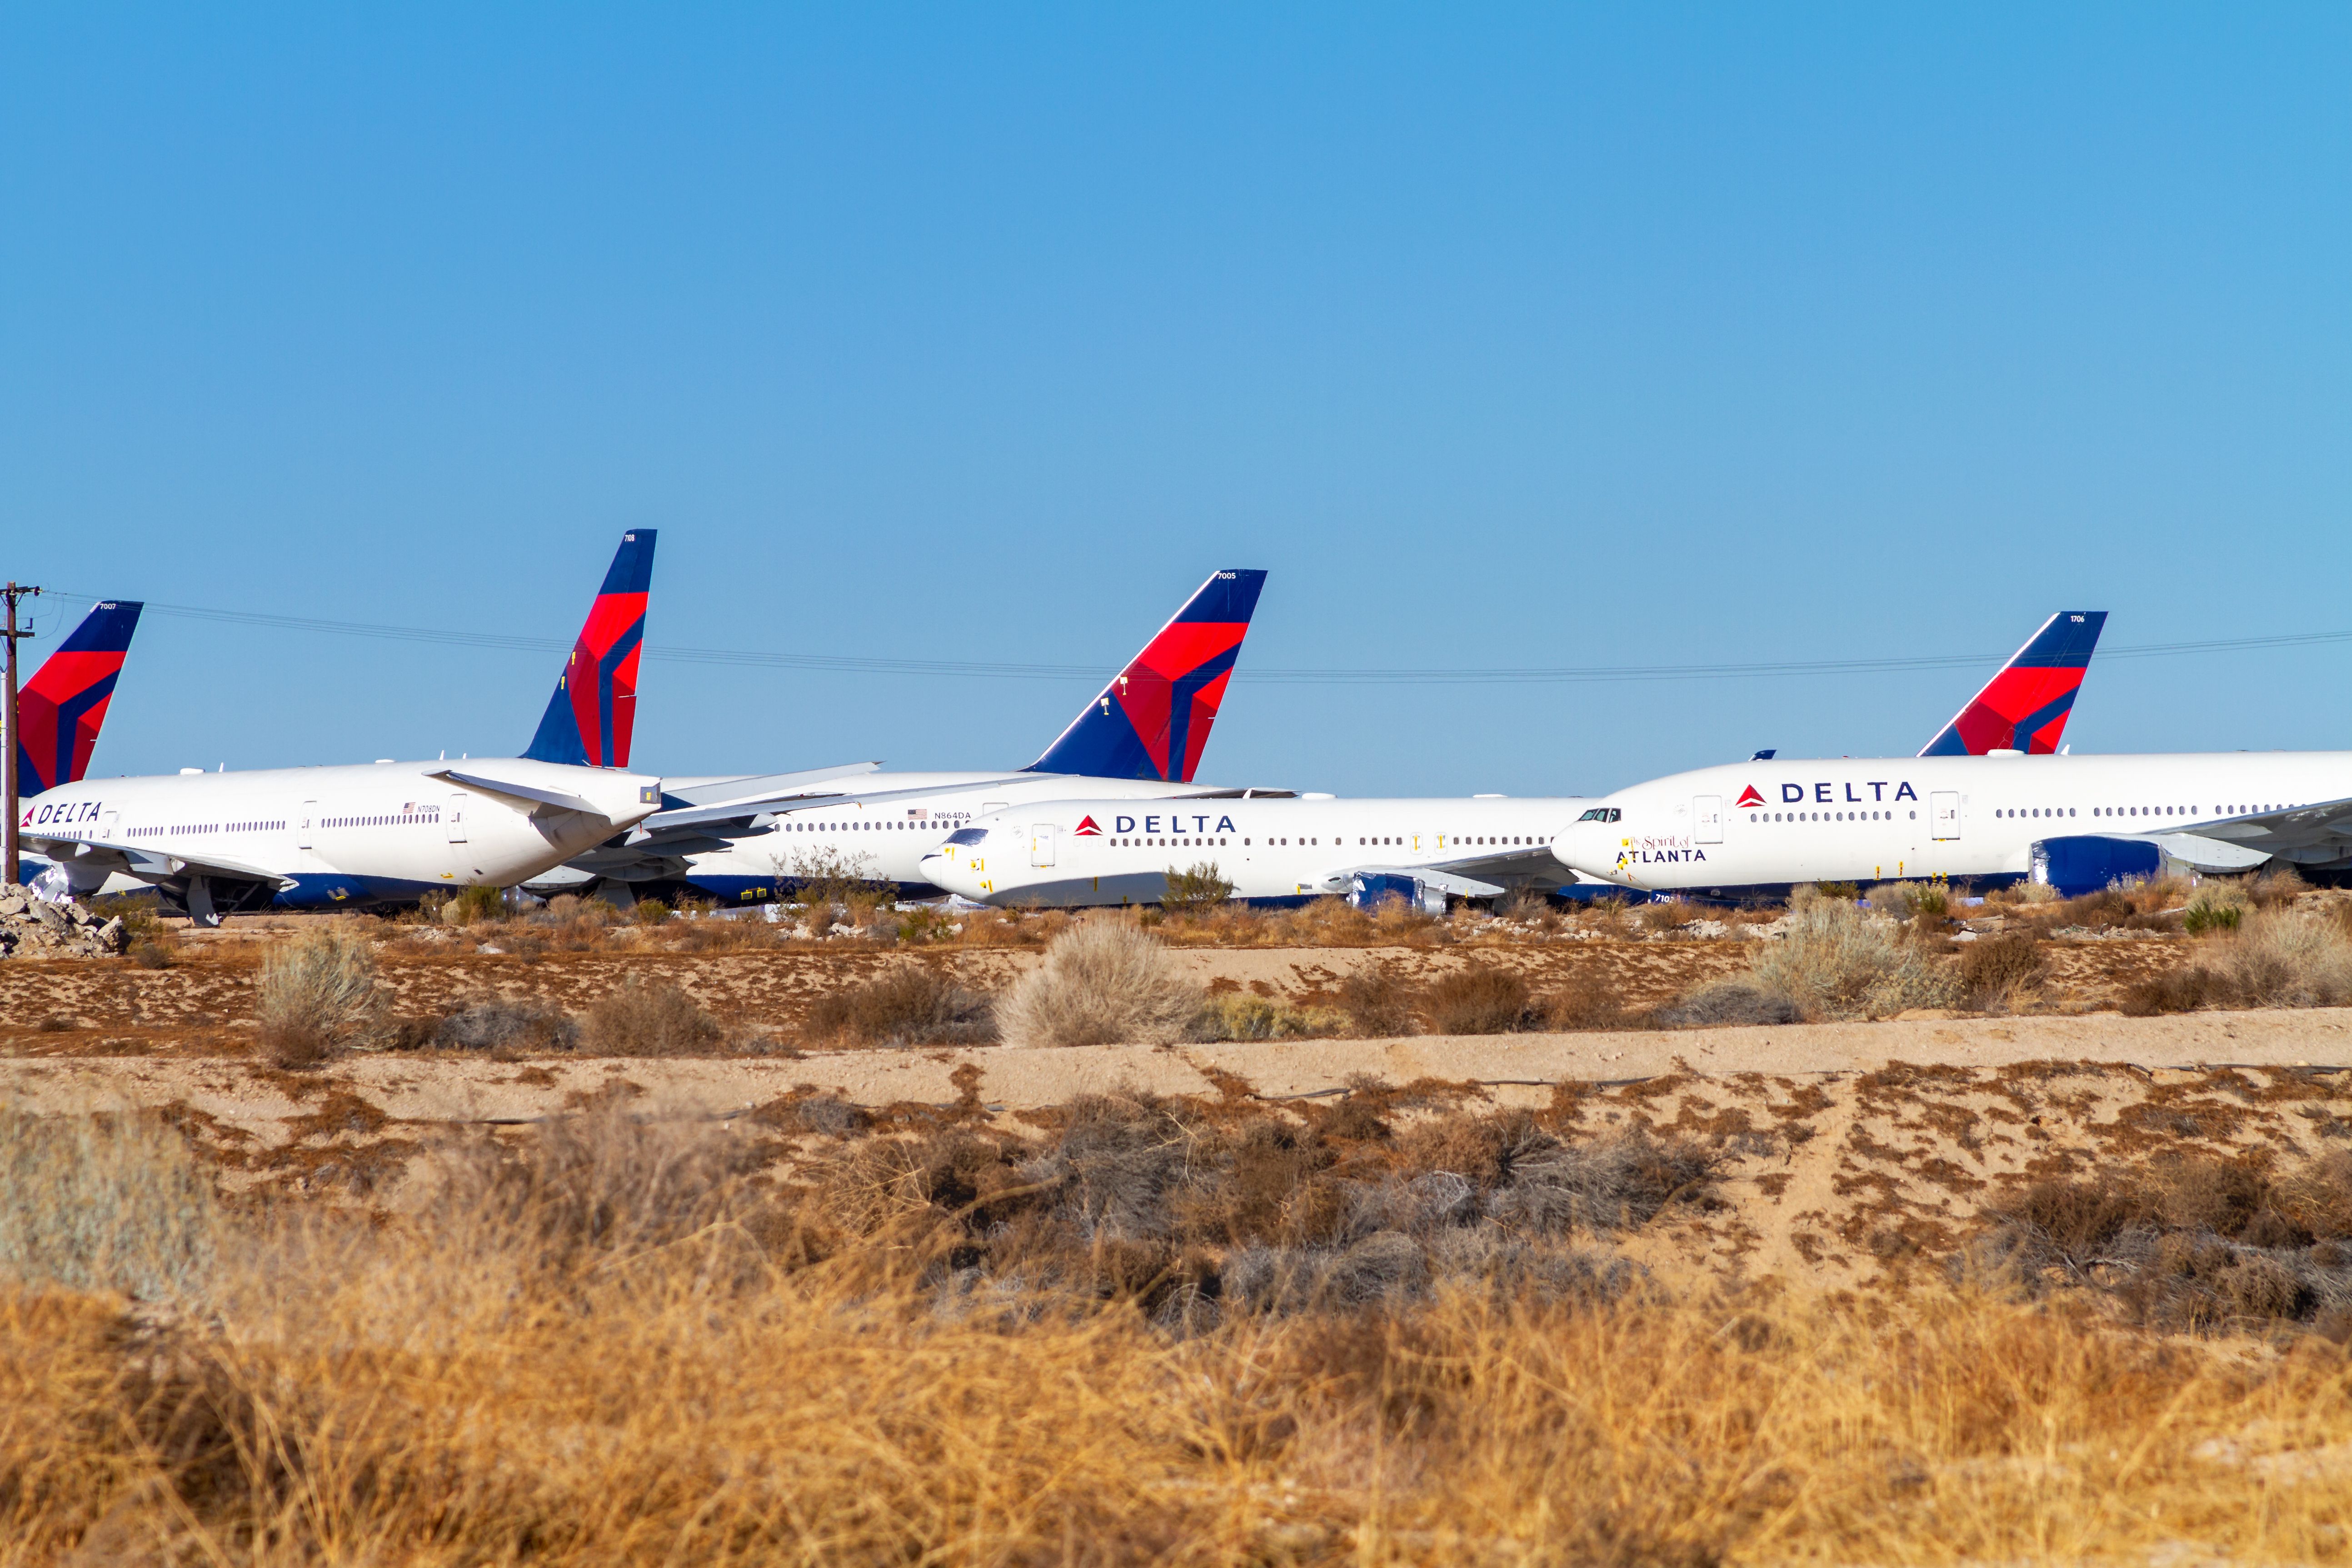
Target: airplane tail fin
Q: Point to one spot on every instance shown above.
(589, 720)
(58, 711)
(2025, 705)
(1153, 718)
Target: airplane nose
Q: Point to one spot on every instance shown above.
(942, 869)
(1588, 848)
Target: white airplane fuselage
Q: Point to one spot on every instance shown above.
(1074, 853)
(888, 840)
(1762, 826)
(345, 836)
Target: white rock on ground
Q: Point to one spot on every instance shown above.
(33, 928)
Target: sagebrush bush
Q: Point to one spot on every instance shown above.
(1838, 960)
(475, 904)
(2285, 958)
(649, 1020)
(104, 1202)
(500, 1024)
(1484, 999)
(1239, 1015)
(1196, 891)
(1102, 982)
(1994, 970)
(909, 1004)
(1377, 1002)
(1728, 1002)
(319, 995)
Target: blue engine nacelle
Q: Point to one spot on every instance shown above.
(2084, 863)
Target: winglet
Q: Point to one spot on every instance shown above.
(1153, 718)
(59, 710)
(2025, 707)
(589, 720)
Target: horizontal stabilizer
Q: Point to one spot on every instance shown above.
(762, 786)
(516, 790)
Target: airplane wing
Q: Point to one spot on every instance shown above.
(2235, 842)
(149, 865)
(1472, 877)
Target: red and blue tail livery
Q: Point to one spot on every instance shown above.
(589, 720)
(2025, 707)
(1153, 718)
(59, 710)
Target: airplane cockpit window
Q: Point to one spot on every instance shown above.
(968, 835)
(1603, 814)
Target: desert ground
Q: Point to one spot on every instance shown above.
(2017, 1232)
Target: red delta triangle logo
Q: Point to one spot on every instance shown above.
(1086, 828)
(1747, 797)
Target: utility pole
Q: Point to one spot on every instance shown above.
(13, 593)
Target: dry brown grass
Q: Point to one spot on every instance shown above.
(1102, 981)
(319, 995)
(909, 1004)
(649, 1018)
(613, 1345)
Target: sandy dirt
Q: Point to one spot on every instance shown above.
(1850, 1148)
(204, 1007)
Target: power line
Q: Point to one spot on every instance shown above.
(860, 664)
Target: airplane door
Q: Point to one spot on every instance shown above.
(302, 826)
(1944, 813)
(1707, 819)
(1041, 844)
(456, 819)
(106, 827)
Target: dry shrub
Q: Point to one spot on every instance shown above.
(500, 1023)
(2285, 958)
(1840, 961)
(1483, 999)
(1102, 981)
(1379, 1004)
(1196, 891)
(1586, 1003)
(2191, 1241)
(1995, 969)
(319, 995)
(1728, 1002)
(608, 1180)
(649, 912)
(649, 1020)
(1911, 900)
(2276, 885)
(2219, 904)
(474, 905)
(2174, 990)
(1239, 1015)
(1663, 916)
(104, 1202)
(907, 1004)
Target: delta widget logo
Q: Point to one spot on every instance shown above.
(1087, 828)
(1747, 797)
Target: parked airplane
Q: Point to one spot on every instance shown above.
(1756, 828)
(1101, 851)
(1072, 853)
(754, 839)
(322, 837)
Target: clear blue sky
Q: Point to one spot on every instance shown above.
(1531, 337)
